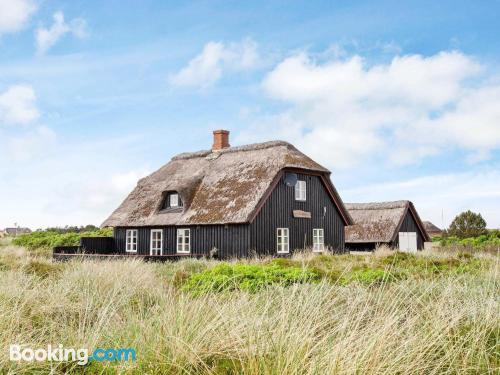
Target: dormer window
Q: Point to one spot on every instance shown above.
(172, 200)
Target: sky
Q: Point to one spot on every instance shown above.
(400, 100)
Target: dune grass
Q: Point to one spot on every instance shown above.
(383, 313)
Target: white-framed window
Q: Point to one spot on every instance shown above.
(300, 191)
(282, 241)
(318, 240)
(131, 241)
(156, 242)
(183, 241)
(174, 200)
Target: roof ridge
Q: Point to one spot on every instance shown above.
(377, 205)
(249, 147)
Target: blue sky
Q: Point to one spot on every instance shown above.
(398, 99)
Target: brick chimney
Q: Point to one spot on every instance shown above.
(221, 140)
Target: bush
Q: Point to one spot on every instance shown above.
(251, 278)
(370, 276)
(490, 239)
(51, 238)
(468, 224)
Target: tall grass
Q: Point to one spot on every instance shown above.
(443, 323)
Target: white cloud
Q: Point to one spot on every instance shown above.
(17, 105)
(69, 182)
(31, 145)
(110, 191)
(439, 198)
(216, 57)
(344, 112)
(47, 37)
(14, 14)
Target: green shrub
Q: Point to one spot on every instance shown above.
(285, 262)
(51, 238)
(491, 239)
(251, 278)
(370, 276)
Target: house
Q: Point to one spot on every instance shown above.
(432, 230)
(266, 199)
(17, 231)
(395, 224)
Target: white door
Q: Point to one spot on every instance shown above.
(156, 242)
(408, 242)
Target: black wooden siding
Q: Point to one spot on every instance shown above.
(409, 225)
(230, 240)
(97, 245)
(242, 240)
(277, 212)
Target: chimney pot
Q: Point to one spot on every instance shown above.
(221, 140)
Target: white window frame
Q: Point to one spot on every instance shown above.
(156, 244)
(183, 246)
(300, 190)
(173, 198)
(282, 240)
(318, 240)
(131, 241)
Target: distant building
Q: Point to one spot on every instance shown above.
(395, 224)
(432, 230)
(17, 231)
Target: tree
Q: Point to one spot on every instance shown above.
(467, 224)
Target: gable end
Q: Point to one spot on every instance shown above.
(411, 209)
(332, 193)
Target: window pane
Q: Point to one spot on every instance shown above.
(174, 200)
(300, 190)
(282, 239)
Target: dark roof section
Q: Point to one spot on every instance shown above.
(380, 221)
(432, 229)
(222, 187)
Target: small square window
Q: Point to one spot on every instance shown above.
(171, 200)
(300, 191)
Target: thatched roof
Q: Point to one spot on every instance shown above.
(432, 229)
(221, 187)
(378, 222)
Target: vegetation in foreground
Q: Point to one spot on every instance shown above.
(383, 313)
